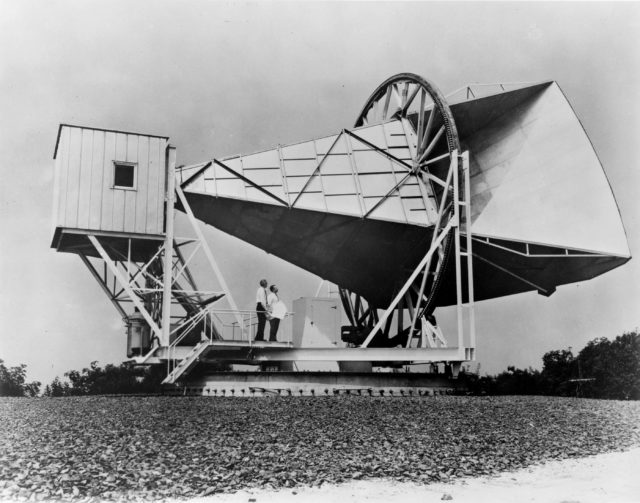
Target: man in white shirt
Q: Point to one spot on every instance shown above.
(277, 311)
(261, 308)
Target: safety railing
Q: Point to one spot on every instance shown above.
(227, 325)
(242, 326)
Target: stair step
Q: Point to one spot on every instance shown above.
(186, 362)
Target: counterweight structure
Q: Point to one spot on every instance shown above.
(426, 202)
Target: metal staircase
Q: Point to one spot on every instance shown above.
(187, 362)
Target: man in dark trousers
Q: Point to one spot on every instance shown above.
(261, 308)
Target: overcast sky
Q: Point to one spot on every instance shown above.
(222, 78)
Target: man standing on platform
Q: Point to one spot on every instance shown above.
(277, 311)
(261, 308)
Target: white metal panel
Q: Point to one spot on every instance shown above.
(63, 168)
(416, 216)
(372, 134)
(324, 144)
(156, 177)
(344, 170)
(130, 196)
(73, 177)
(235, 164)
(267, 159)
(410, 189)
(397, 140)
(348, 205)
(393, 128)
(142, 184)
(413, 205)
(220, 172)
(162, 185)
(97, 163)
(338, 184)
(199, 184)
(305, 150)
(390, 209)
(254, 194)
(540, 181)
(404, 154)
(336, 164)
(56, 193)
(86, 163)
(264, 176)
(107, 191)
(296, 183)
(371, 161)
(300, 167)
(84, 184)
(119, 194)
(377, 185)
(209, 185)
(278, 192)
(311, 201)
(231, 187)
(338, 146)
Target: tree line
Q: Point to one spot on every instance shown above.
(602, 369)
(13, 381)
(94, 380)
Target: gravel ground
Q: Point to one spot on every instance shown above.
(133, 448)
(603, 478)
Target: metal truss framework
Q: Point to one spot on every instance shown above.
(162, 288)
(354, 143)
(431, 346)
(418, 310)
(142, 283)
(433, 165)
(398, 98)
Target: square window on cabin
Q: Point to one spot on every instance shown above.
(124, 175)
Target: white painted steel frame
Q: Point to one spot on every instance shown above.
(243, 351)
(425, 143)
(103, 285)
(352, 143)
(127, 286)
(426, 355)
(172, 374)
(168, 244)
(207, 250)
(459, 165)
(125, 280)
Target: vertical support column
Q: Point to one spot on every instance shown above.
(167, 276)
(469, 254)
(456, 235)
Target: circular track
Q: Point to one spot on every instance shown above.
(413, 99)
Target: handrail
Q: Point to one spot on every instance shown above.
(191, 323)
(244, 311)
(248, 318)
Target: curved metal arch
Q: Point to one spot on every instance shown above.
(421, 86)
(407, 90)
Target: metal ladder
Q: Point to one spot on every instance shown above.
(187, 362)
